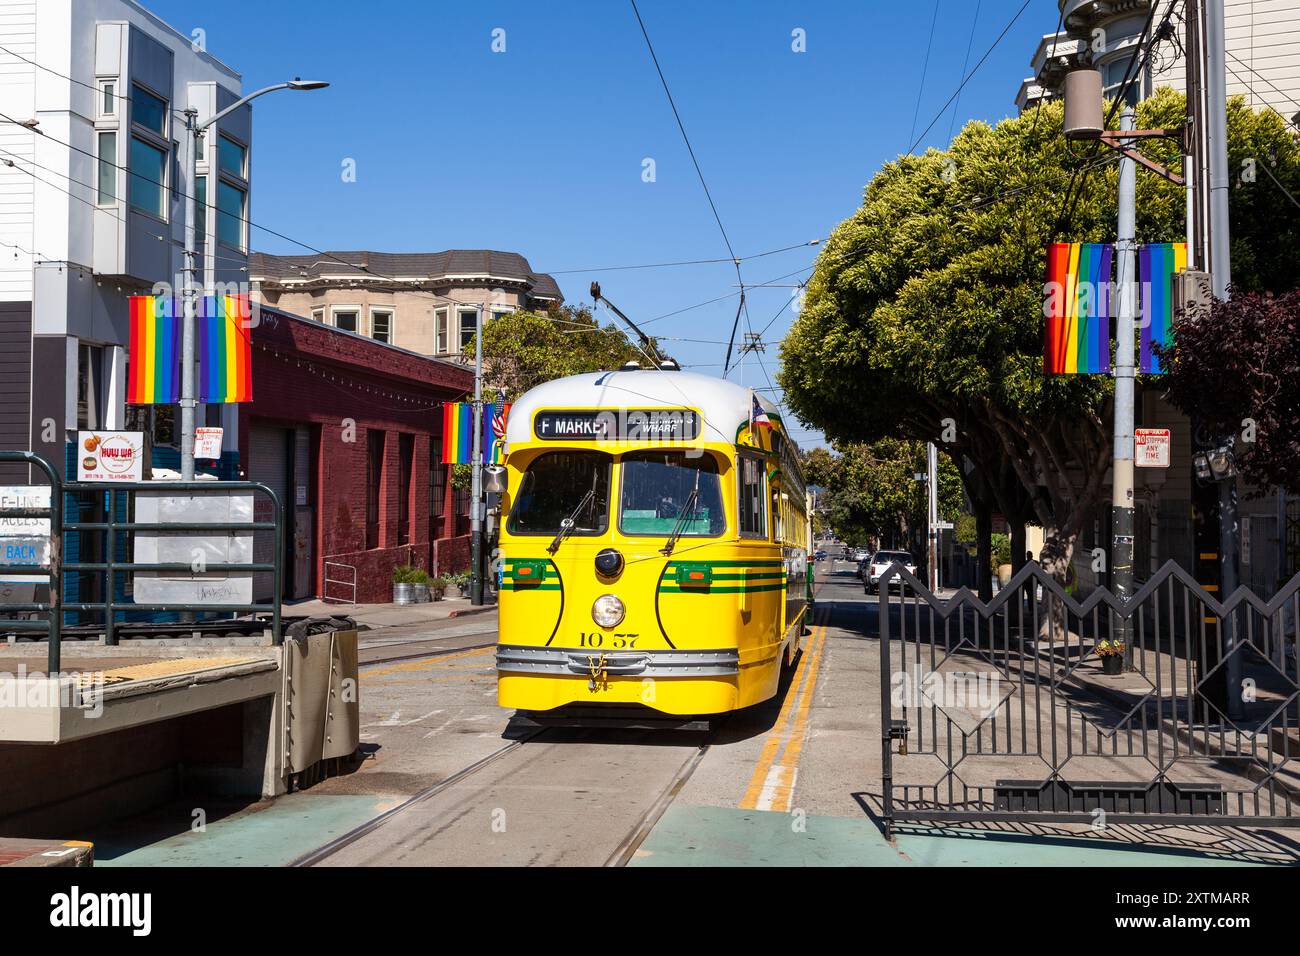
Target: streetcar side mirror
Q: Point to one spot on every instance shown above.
(494, 479)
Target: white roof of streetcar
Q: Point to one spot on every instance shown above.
(724, 405)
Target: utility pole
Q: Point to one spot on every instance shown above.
(476, 493)
(932, 516)
(190, 291)
(1220, 264)
(1121, 502)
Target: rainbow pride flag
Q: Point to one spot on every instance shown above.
(458, 432)
(1078, 308)
(1157, 263)
(225, 350)
(154, 375)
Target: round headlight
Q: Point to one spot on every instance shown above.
(607, 611)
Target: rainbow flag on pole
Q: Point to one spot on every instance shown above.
(1078, 308)
(1157, 263)
(225, 350)
(154, 376)
(494, 431)
(457, 433)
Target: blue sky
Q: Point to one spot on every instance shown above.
(540, 149)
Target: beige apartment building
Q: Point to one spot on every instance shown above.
(423, 301)
(1262, 50)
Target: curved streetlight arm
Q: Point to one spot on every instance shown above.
(245, 100)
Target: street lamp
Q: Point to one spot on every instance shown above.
(196, 130)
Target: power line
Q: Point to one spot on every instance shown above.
(680, 126)
(962, 85)
(952, 124)
(700, 173)
(98, 90)
(925, 69)
(683, 262)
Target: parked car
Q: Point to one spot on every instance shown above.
(819, 556)
(873, 569)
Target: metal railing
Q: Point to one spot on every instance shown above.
(58, 569)
(327, 581)
(1027, 709)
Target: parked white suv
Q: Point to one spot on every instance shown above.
(874, 569)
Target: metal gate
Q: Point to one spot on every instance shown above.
(1010, 711)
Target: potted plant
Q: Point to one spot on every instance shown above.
(1112, 657)
(460, 581)
(420, 582)
(404, 579)
(437, 587)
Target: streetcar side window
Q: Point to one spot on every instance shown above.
(661, 489)
(751, 502)
(555, 487)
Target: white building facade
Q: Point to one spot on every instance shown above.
(94, 180)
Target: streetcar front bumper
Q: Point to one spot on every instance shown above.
(581, 662)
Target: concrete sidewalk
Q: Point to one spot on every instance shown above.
(376, 616)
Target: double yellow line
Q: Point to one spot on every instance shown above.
(772, 785)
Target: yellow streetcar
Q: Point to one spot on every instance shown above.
(654, 546)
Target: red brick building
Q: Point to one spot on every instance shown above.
(347, 431)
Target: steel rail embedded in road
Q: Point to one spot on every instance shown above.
(626, 850)
(352, 836)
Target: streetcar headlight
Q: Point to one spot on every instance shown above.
(608, 611)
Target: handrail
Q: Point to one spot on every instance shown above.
(109, 567)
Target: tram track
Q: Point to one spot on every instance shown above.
(352, 836)
(574, 751)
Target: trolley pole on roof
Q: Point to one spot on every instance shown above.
(476, 494)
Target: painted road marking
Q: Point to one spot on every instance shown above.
(772, 785)
(425, 663)
(781, 794)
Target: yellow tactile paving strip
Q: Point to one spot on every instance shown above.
(164, 668)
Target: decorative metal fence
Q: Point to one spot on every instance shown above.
(1170, 707)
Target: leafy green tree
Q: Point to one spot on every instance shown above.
(521, 350)
(871, 495)
(924, 318)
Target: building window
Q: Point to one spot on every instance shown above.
(148, 166)
(200, 209)
(346, 319)
(405, 464)
(108, 99)
(374, 478)
(437, 486)
(750, 504)
(149, 111)
(90, 386)
(468, 322)
(232, 157)
(381, 325)
(440, 331)
(499, 315)
(231, 202)
(318, 315)
(107, 169)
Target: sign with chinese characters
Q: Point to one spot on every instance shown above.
(110, 456)
(1151, 447)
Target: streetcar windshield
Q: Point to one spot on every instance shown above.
(658, 486)
(553, 488)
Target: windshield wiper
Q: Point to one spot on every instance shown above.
(680, 526)
(567, 524)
